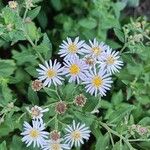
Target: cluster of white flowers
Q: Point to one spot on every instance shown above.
(36, 134)
(90, 64)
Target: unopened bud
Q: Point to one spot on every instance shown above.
(13, 4)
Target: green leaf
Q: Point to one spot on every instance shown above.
(119, 34)
(7, 93)
(119, 114)
(102, 142)
(3, 145)
(117, 98)
(88, 23)
(32, 96)
(34, 12)
(45, 47)
(7, 67)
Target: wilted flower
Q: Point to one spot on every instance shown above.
(37, 85)
(50, 73)
(13, 4)
(37, 112)
(61, 107)
(80, 100)
(9, 27)
(97, 83)
(34, 134)
(141, 130)
(71, 49)
(76, 133)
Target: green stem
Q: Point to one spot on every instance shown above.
(25, 14)
(21, 116)
(56, 122)
(117, 134)
(50, 120)
(33, 45)
(139, 140)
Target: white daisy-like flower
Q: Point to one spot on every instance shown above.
(111, 61)
(70, 49)
(55, 145)
(34, 134)
(50, 73)
(36, 112)
(97, 83)
(76, 134)
(75, 69)
(95, 49)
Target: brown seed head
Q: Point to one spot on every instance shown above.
(37, 85)
(61, 107)
(80, 100)
(55, 135)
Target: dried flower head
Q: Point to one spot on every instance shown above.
(90, 61)
(61, 107)
(9, 27)
(10, 105)
(141, 130)
(80, 100)
(37, 85)
(36, 112)
(29, 4)
(55, 135)
(13, 4)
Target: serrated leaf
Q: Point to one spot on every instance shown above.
(88, 23)
(119, 34)
(34, 12)
(7, 67)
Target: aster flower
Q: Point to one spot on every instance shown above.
(97, 83)
(34, 134)
(111, 61)
(50, 73)
(75, 69)
(37, 112)
(95, 49)
(55, 145)
(76, 133)
(70, 49)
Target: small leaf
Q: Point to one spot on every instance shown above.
(119, 34)
(34, 12)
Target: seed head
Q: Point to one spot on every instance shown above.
(37, 85)
(55, 135)
(80, 100)
(61, 107)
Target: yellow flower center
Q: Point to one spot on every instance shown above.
(76, 135)
(56, 146)
(34, 133)
(96, 50)
(110, 60)
(72, 48)
(97, 81)
(51, 73)
(74, 69)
